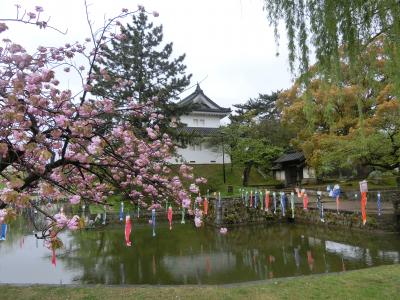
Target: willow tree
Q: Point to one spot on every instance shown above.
(327, 25)
(337, 31)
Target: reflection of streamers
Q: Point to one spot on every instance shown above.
(284, 255)
(154, 266)
(208, 265)
(297, 257)
(310, 260)
(183, 215)
(326, 265)
(271, 259)
(122, 272)
(53, 257)
(337, 204)
(21, 242)
(343, 266)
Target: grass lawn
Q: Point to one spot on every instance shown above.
(214, 175)
(374, 283)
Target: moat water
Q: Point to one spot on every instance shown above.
(189, 255)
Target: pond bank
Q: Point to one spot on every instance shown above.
(372, 283)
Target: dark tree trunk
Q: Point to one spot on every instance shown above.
(246, 173)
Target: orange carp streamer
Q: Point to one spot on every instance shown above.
(128, 227)
(266, 200)
(205, 205)
(364, 207)
(305, 201)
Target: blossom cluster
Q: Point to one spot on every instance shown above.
(58, 145)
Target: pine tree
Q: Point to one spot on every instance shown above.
(139, 56)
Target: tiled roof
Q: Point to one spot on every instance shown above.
(203, 106)
(290, 157)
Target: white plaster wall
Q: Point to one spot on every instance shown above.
(308, 173)
(280, 175)
(200, 155)
(209, 121)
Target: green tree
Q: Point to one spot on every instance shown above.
(254, 152)
(263, 116)
(263, 108)
(137, 65)
(256, 136)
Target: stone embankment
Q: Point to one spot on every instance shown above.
(232, 212)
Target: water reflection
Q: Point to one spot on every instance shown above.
(187, 255)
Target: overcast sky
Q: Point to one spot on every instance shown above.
(229, 46)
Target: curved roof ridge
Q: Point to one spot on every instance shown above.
(199, 92)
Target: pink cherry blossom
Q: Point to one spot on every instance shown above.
(61, 120)
(73, 224)
(31, 15)
(71, 142)
(3, 27)
(61, 220)
(151, 133)
(186, 202)
(75, 199)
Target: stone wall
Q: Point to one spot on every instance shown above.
(232, 212)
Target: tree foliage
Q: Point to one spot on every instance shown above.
(263, 108)
(138, 65)
(355, 121)
(256, 136)
(262, 118)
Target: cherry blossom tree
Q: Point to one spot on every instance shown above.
(53, 141)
